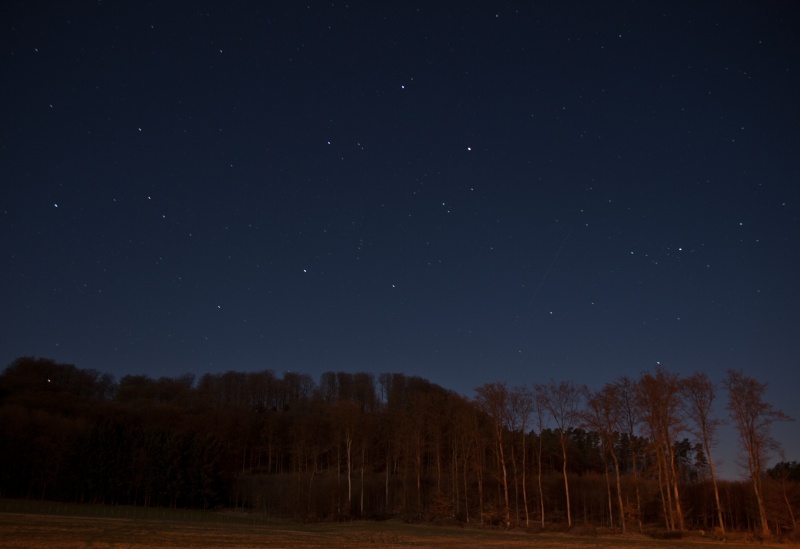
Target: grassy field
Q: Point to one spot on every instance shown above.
(35, 531)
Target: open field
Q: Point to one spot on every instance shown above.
(36, 531)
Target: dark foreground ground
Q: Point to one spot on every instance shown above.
(36, 531)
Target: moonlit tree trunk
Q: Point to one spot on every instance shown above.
(492, 399)
(698, 397)
(604, 414)
(386, 478)
(522, 405)
(516, 479)
(466, 484)
(562, 438)
(783, 474)
(478, 461)
(675, 490)
(626, 392)
(363, 460)
(502, 458)
(619, 493)
(658, 396)
(347, 417)
(563, 401)
(539, 399)
(463, 433)
(753, 418)
(349, 458)
(666, 504)
(608, 484)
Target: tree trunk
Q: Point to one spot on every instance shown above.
(566, 483)
(788, 504)
(676, 494)
(762, 512)
(608, 492)
(363, 458)
(386, 483)
(502, 458)
(524, 478)
(716, 489)
(539, 481)
(666, 503)
(349, 458)
(419, 476)
(619, 494)
(516, 482)
(466, 485)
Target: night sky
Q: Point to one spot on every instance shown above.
(467, 191)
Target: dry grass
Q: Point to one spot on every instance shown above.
(28, 531)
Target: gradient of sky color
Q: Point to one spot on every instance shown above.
(465, 191)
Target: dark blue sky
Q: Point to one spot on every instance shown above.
(469, 192)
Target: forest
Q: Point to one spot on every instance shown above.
(633, 455)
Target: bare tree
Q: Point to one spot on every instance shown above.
(699, 393)
(563, 400)
(753, 418)
(629, 420)
(477, 440)
(539, 400)
(521, 409)
(603, 414)
(347, 419)
(492, 399)
(659, 399)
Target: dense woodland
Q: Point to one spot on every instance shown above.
(635, 454)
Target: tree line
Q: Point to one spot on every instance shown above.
(633, 454)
